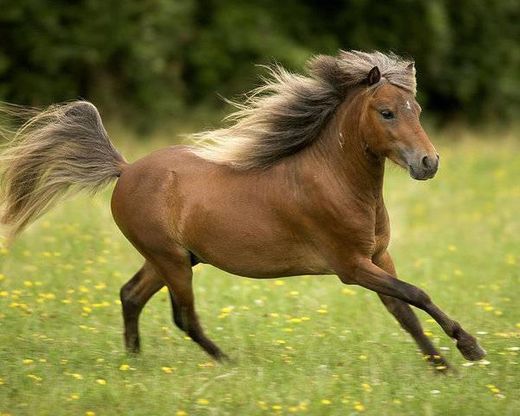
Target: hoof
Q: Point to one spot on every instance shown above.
(220, 357)
(133, 348)
(223, 358)
(439, 364)
(444, 370)
(470, 349)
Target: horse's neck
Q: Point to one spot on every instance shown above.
(341, 153)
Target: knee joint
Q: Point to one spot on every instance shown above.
(128, 301)
(419, 296)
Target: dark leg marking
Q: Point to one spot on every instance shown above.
(177, 273)
(407, 318)
(372, 277)
(134, 295)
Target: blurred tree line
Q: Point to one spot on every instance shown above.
(147, 59)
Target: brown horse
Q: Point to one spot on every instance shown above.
(292, 187)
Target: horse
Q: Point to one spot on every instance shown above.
(291, 186)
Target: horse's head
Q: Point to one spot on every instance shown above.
(391, 127)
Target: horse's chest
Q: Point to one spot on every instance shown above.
(381, 242)
(381, 237)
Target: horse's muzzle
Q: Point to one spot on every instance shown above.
(424, 167)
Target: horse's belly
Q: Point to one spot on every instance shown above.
(265, 264)
(254, 253)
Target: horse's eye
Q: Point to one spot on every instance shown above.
(387, 114)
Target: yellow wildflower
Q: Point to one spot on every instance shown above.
(359, 407)
(208, 364)
(367, 387)
(262, 405)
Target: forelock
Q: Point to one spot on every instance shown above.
(355, 66)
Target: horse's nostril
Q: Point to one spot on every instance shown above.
(425, 162)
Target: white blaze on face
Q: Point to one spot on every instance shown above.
(408, 106)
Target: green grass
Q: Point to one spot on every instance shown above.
(306, 345)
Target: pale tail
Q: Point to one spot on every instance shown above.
(64, 148)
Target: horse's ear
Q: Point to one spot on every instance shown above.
(374, 76)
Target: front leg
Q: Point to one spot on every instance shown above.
(372, 277)
(407, 318)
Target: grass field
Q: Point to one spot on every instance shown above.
(305, 345)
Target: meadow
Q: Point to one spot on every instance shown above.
(306, 345)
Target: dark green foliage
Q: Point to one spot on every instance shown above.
(123, 54)
(146, 59)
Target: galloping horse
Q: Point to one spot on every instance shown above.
(293, 186)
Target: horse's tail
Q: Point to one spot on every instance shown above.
(63, 148)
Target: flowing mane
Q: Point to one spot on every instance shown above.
(290, 110)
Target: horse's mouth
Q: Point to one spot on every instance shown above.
(421, 174)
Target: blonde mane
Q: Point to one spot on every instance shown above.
(290, 110)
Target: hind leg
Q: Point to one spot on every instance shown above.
(134, 295)
(175, 269)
